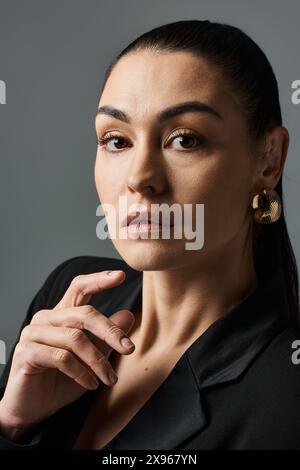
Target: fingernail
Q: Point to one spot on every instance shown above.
(94, 383)
(113, 378)
(126, 342)
(113, 273)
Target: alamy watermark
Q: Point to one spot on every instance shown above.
(2, 92)
(2, 343)
(161, 221)
(295, 96)
(2, 352)
(296, 354)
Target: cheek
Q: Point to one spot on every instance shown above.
(226, 197)
(107, 185)
(222, 184)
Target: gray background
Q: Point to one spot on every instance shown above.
(52, 57)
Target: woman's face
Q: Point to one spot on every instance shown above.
(148, 161)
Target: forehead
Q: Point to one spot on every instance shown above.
(147, 81)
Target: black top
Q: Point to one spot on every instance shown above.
(235, 387)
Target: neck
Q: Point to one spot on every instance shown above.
(179, 304)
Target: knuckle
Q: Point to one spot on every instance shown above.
(38, 316)
(113, 330)
(20, 349)
(76, 335)
(88, 311)
(77, 280)
(62, 356)
(78, 284)
(25, 333)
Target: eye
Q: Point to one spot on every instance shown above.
(187, 140)
(112, 142)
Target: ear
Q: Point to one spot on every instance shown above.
(271, 158)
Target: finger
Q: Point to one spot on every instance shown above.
(125, 320)
(76, 341)
(88, 318)
(37, 356)
(82, 287)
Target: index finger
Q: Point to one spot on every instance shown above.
(82, 287)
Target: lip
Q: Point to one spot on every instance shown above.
(144, 227)
(144, 217)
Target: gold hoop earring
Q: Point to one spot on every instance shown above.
(267, 207)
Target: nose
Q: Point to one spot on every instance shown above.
(146, 174)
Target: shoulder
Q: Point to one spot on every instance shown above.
(277, 370)
(270, 394)
(282, 357)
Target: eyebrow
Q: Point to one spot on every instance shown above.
(164, 115)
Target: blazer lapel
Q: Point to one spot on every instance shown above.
(172, 414)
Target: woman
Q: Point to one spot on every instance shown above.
(188, 114)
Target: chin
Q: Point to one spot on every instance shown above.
(153, 257)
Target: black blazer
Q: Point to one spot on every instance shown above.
(235, 387)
